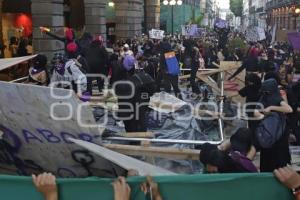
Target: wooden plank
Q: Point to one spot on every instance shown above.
(232, 87)
(213, 85)
(19, 80)
(218, 70)
(199, 70)
(238, 78)
(6, 63)
(123, 161)
(159, 152)
(184, 77)
(148, 159)
(136, 135)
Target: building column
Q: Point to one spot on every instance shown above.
(48, 14)
(128, 18)
(1, 32)
(95, 20)
(153, 14)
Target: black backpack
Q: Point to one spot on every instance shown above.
(271, 129)
(144, 83)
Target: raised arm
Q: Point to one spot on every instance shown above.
(47, 31)
(62, 39)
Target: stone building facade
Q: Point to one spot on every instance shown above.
(129, 15)
(280, 13)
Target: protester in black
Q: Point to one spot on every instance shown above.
(192, 62)
(278, 155)
(250, 91)
(97, 59)
(217, 161)
(38, 73)
(22, 50)
(169, 80)
(133, 93)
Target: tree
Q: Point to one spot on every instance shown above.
(236, 7)
(196, 19)
(237, 43)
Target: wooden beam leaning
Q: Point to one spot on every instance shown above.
(136, 135)
(230, 73)
(219, 70)
(160, 152)
(205, 79)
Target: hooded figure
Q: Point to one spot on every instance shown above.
(217, 161)
(38, 72)
(270, 94)
(168, 79)
(134, 92)
(84, 43)
(98, 60)
(250, 91)
(241, 143)
(67, 74)
(278, 155)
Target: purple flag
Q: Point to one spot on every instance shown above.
(294, 39)
(221, 23)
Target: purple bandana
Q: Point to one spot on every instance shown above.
(59, 68)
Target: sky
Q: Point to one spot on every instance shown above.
(224, 4)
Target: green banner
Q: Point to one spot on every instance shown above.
(193, 187)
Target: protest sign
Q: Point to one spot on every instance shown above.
(36, 143)
(156, 34)
(261, 34)
(254, 34)
(221, 23)
(191, 30)
(294, 39)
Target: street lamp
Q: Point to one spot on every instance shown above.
(172, 3)
(111, 4)
(296, 13)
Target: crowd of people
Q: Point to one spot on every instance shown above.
(272, 91)
(20, 46)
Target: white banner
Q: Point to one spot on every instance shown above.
(255, 34)
(156, 34)
(9, 62)
(192, 31)
(37, 143)
(261, 34)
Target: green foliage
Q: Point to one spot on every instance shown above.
(236, 43)
(236, 7)
(197, 20)
(229, 17)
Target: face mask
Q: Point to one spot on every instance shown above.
(60, 68)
